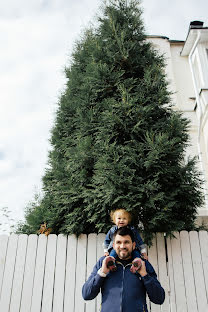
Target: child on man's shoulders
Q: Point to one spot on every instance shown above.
(121, 218)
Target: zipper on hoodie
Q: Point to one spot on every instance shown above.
(124, 267)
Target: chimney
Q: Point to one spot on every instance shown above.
(196, 24)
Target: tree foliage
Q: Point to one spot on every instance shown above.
(117, 141)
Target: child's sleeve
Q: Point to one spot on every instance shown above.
(107, 241)
(138, 238)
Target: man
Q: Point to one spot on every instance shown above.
(123, 291)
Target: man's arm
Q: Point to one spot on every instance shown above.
(91, 287)
(154, 290)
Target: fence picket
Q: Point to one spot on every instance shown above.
(80, 272)
(69, 295)
(91, 260)
(29, 273)
(58, 297)
(48, 284)
(180, 295)
(3, 248)
(198, 272)
(8, 273)
(39, 274)
(162, 269)
(19, 273)
(188, 272)
(203, 238)
(172, 307)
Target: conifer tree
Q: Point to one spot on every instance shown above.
(117, 141)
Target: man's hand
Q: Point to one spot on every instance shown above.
(142, 271)
(104, 268)
(144, 255)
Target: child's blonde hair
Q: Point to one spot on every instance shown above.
(122, 212)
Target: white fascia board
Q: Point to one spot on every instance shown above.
(191, 38)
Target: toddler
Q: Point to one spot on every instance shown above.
(121, 218)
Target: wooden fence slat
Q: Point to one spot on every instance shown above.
(100, 240)
(198, 272)
(19, 273)
(39, 274)
(171, 277)
(153, 259)
(29, 273)
(3, 250)
(188, 272)
(100, 253)
(70, 274)
(91, 260)
(58, 297)
(203, 239)
(162, 270)
(80, 272)
(180, 295)
(47, 298)
(8, 273)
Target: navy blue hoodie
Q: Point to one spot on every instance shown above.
(123, 291)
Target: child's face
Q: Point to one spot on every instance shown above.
(121, 219)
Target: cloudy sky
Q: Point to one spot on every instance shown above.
(36, 40)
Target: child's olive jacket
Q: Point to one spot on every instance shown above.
(123, 291)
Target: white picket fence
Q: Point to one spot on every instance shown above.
(39, 273)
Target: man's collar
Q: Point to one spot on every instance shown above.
(124, 262)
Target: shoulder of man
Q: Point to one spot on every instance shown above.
(98, 265)
(100, 261)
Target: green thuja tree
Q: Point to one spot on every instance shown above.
(116, 141)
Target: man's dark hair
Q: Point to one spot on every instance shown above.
(123, 231)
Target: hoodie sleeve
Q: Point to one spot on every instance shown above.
(92, 286)
(154, 290)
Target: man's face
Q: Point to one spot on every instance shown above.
(123, 246)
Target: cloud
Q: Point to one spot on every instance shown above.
(36, 40)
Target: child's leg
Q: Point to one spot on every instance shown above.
(110, 261)
(113, 253)
(136, 254)
(137, 262)
(136, 265)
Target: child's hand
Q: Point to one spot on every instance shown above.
(142, 271)
(106, 253)
(144, 256)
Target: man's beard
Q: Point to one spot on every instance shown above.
(126, 255)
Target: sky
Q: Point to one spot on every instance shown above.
(36, 41)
